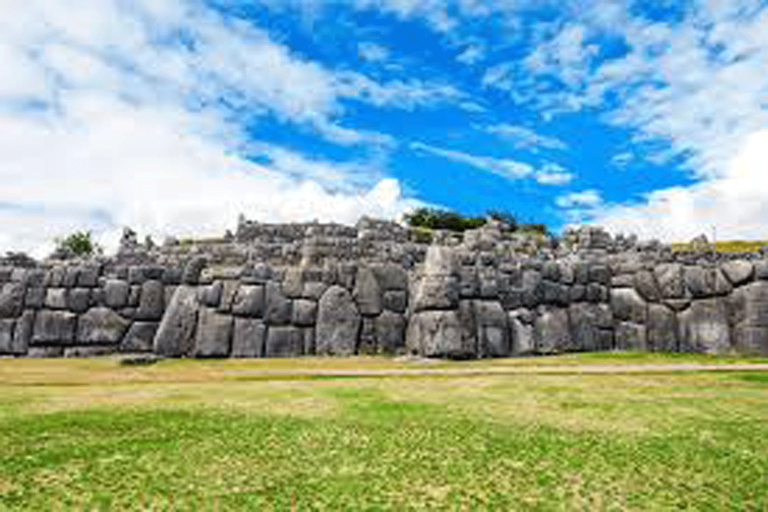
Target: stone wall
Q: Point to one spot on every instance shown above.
(378, 288)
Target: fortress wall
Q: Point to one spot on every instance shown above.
(485, 294)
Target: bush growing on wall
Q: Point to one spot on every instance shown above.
(78, 243)
(442, 219)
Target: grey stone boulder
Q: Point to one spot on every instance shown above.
(7, 346)
(395, 300)
(88, 276)
(738, 272)
(22, 332)
(284, 341)
(671, 280)
(214, 334)
(552, 330)
(367, 292)
(308, 334)
(45, 352)
(761, 269)
(600, 274)
(101, 326)
(440, 261)
(249, 337)
(662, 328)
(436, 292)
(627, 305)
(79, 299)
(390, 332)
(522, 335)
(532, 288)
(134, 296)
(192, 270)
(366, 342)
(391, 276)
(338, 322)
(440, 334)
(116, 293)
(749, 315)
(645, 284)
(34, 297)
(630, 336)
(12, 300)
(578, 293)
(492, 329)
(90, 351)
(56, 298)
(304, 312)
(702, 282)
(249, 301)
(175, 335)
(210, 295)
(314, 290)
(293, 282)
(54, 328)
(469, 282)
(703, 327)
(278, 308)
(151, 301)
(550, 270)
(623, 281)
(228, 294)
(54, 277)
(588, 325)
(139, 337)
(597, 292)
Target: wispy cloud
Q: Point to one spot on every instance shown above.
(508, 169)
(525, 138)
(553, 174)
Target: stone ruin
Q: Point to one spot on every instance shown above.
(277, 290)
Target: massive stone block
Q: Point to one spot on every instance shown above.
(440, 334)
(706, 282)
(116, 293)
(390, 332)
(175, 336)
(395, 300)
(228, 294)
(738, 272)
(249, 337)
(630, 336)
(589, 324)
(704, 327)
(249, 301)
(214, 334)
(338, 323)
(366, 342)
(22, 332)
(79, 299)
(749, 317)
(56, 298)
(304, 312)
(391, 276)
(34, 297)
(522, 335)
(278, 308)
(662, 328)
(192, 270)
(671, 280)
(11, 300)
(151, 301)
(627, 305)
(7, 345)
(101, 326)
(284, 341)
(492, 329)
(645, 284)
(139, 337)
(436, 292)
(54, 328)
(293, 282)
(210, 295)
(552, 330)
(367, 292)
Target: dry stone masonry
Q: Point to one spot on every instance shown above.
(379, 288)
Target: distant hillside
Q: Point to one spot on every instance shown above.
(725, 245)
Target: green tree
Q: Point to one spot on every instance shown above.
(78, 243)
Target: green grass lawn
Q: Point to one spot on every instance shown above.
(195, 435)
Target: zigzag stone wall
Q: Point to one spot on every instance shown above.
(289, 290)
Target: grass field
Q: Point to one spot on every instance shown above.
(229, 435)
(726, 245)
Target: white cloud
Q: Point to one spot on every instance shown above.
(96, 129)
(553, 174)
(471, 55)
(406, 95)
(372, 52)
(522, 137)
(508, 169)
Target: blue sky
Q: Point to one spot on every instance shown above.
(174, 116)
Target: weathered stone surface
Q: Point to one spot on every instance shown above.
(596, 292)
(11, 300)
(79, 299)
(314, 290)
(366, 342)
(175, 336)
(116, 293)
(7, 346)
(489, 286)
(492, 329)
(45, 352)
(136, 275)
(588, 321)
(578, 293)
(70, 277)
(172, 276)
(600, 274)
(139, 337)
(703, 327)
(522, 334)
(338, 322)
(391, 276)
(284, 341)
(308, 334)
(228, 294)
(395, 300)
(662, 328)
(249, 337)
(88, 276)
(550, 270)
(293, 282)
(551, 292)
(738, 272)
(532, 287)
(56, 298)
(552, 330)
(645, 284)
(623, 281)
(390, 332)
(436, 292)
(214, 334)
(469, 282)
(101, 326)
(761, 269)
(192, 270)
(152, 301)
(630, 336)
(440, 261)
(134, 296)
(210, 295)
(700, 281)
(54, 328)
(54, 277)
(567, 275)
(22, 332)
(439, 334)
(249, 301)
(304, 312)
(748, 313)
(670, 278)
(627, 305)
(278, 307)
(367, 292)
(34, 298)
